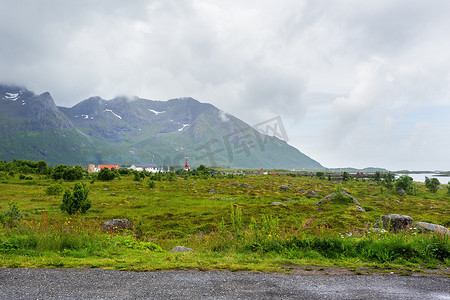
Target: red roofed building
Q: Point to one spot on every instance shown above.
(108, 166)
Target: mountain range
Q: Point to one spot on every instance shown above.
(134, 130)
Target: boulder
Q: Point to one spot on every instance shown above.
(116, 224)
(181, 249)
(284, 187)
(312, 193)
(400, 191)
(212, 191)
(331, 196)
(278, 204)
(246, 185)
(395, 222)
(105, 189)
(432, 227)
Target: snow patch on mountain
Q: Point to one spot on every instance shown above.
(11, 96)
(110, 110)
(156, 112)
(184, 125)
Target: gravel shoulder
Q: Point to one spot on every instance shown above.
(192, 284)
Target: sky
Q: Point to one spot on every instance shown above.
(355, 83)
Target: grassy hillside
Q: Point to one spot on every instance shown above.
(229, 222)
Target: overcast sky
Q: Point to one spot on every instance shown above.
(356, 83)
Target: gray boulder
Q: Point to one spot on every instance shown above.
(116, 224)
(312, 193)
(395, 222)
(400, 191)
(284, 187)
(181, 249)
(212, 191)
(278, 204)
(432, 227)
(332, 196)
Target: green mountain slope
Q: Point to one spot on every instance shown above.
(126, 131)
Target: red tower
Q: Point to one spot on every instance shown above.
(186, 165)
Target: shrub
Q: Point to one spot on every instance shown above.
(346, 176)
(77, 201)
(11, 217)
(75, 173)
(151, 184)
(54, 189)
(432, 184)
(388, 179)
(106, 174)
(58, 171)
(405, 182)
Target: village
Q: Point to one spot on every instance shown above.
(135, 167)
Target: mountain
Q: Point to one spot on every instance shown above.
(134, 130)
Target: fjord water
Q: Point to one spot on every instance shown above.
(420, 177)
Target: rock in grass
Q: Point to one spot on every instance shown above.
(246, 185)
(400, 191)
(432, 227)
(278, 204)
(332, 196)
(360, 209)
(116, 224)
(212, 191)
(395, 222)
(182, 249)
(312, 193)
(284, 187)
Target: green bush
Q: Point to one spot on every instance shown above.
(346, 176)
(75, 173)
(106, 174)
(388, 179)
(12, 216)
(405, 182)
(432, 184)
(54, 189)
(151, 184)
(77, 201)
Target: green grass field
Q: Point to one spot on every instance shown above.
(228, 221)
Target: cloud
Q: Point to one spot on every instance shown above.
(354, 71)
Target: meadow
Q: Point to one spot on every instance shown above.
(267, 223)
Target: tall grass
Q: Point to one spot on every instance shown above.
(264, 235)
(57, 233)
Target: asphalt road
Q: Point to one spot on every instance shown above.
(108, 284)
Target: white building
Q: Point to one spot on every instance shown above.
(147, 167)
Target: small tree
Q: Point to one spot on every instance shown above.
(77, 201)
(11, 217)
(388, 179)
(432, 184)
(346, 176)
(405, 182)
(377, 176)
(106, 174)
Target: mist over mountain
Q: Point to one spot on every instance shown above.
(135, 130)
